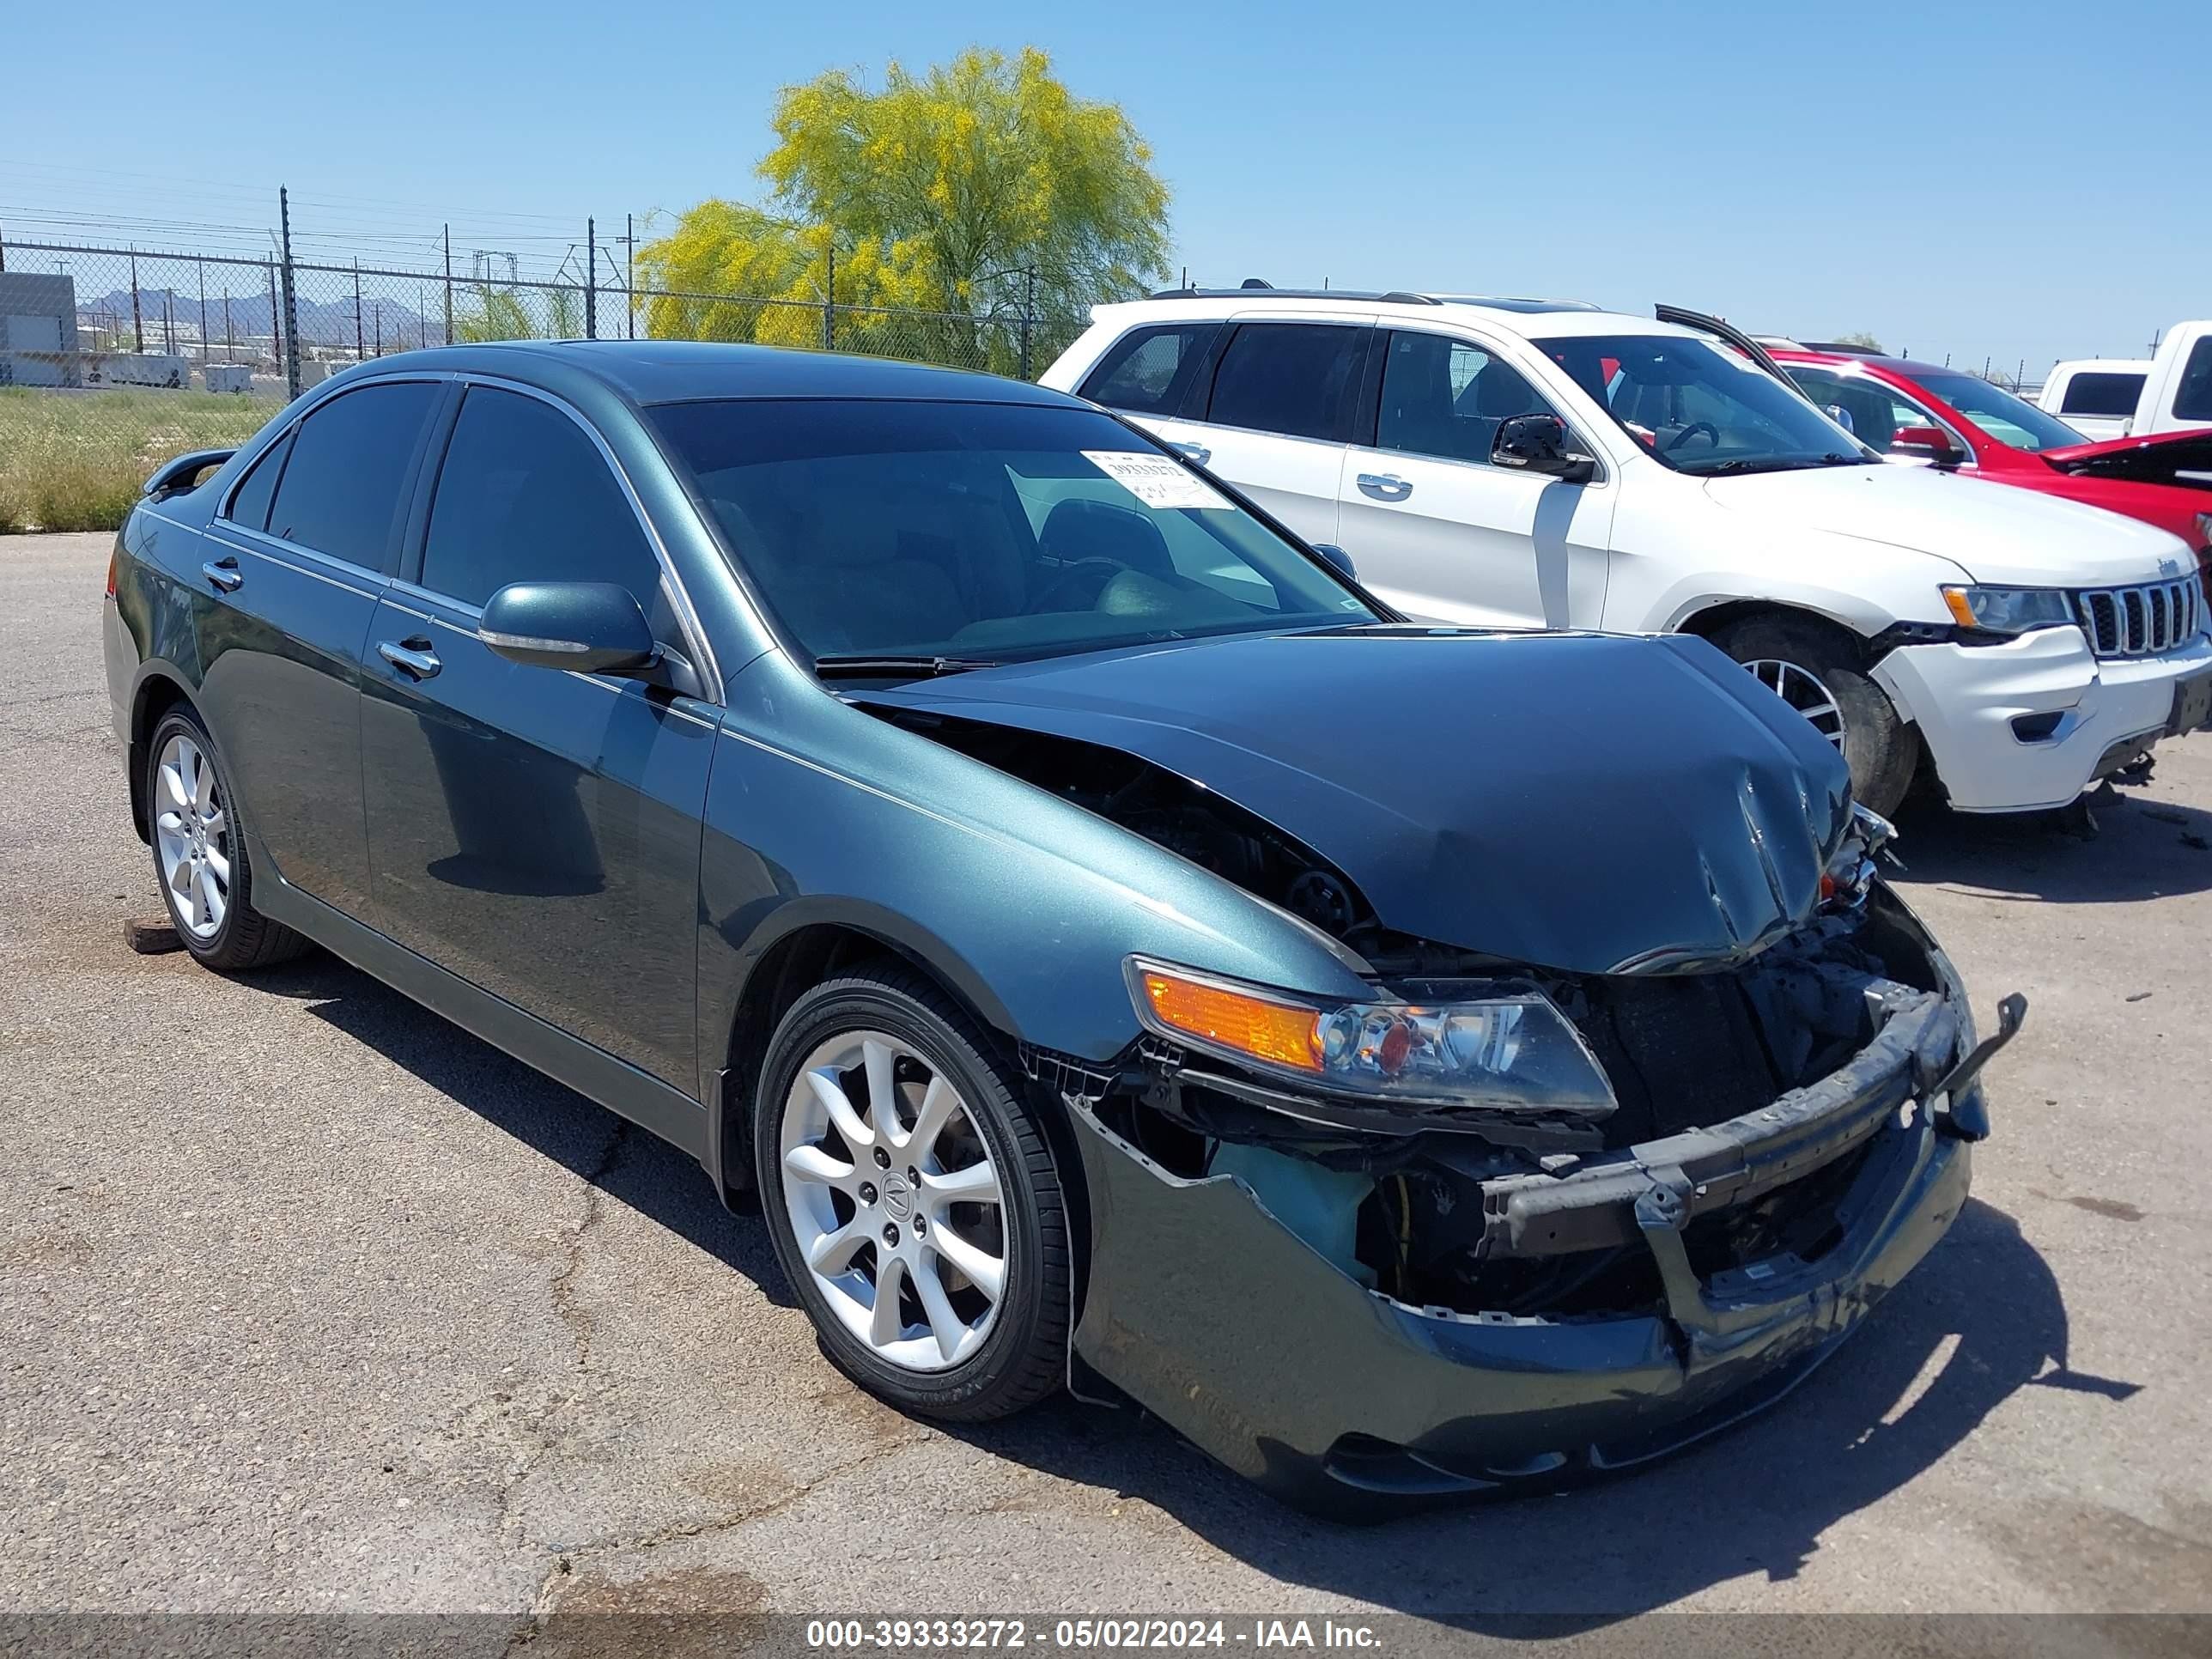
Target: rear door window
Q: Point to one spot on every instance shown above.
(1149, 370)
(344, 491)
(2101, 392)
(525, 496)
(1297, 379)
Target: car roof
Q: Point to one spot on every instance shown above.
(680, 371)
(1906, 368)
(1530, 319)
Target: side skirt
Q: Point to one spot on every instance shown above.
(616, 1085)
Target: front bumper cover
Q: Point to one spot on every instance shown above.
(1207, 1311)
(1964, 698)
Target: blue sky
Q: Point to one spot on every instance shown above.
(2028, 180)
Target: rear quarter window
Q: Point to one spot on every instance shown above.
(1149, 370)
(2100, 392)
(2192, 399)
(249, 502)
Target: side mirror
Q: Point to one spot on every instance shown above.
(594, 628)
(1542, 443)
(1927, 443)
(1339, 559)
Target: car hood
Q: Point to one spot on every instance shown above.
(2184, 459)
(1587, 803)
(1997, 536)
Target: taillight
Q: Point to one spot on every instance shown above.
(111, 556)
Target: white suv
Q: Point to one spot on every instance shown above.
(1534, 464)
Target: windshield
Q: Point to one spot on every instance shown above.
(1700, 409)
(1997, 412)
(963, 534)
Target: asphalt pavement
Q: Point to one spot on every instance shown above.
(309, 1301)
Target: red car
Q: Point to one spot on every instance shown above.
(1947, 417)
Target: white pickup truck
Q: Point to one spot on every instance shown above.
(2177, 393)
(2095, 396)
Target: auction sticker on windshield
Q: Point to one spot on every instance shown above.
(1157, 481)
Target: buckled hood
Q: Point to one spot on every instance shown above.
(1587, 803)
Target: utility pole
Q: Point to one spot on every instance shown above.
(591, 278)
(169, 322)
(360, 345)
(138, 322)
(630, 275)
(380, 328)
(229, 338)
(276, 344)
(829, 299)
(291, 297)
(1028, 315)
(449, 285)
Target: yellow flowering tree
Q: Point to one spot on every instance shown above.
(980, 189)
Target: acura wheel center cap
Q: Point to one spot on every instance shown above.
(898, 1197)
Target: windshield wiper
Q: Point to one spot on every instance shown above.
(1773, 463)
(901, 667)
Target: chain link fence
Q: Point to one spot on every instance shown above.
(114, 360)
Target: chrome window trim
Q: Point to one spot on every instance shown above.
(228, 529)
(607, 682)
(222, 514)
(687, 615)
(308, 405)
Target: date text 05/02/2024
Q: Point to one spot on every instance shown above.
(1088, 1634)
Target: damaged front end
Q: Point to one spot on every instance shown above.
(1653, 1089)
(1494, 1273)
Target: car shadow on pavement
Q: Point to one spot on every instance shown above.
(1982, 1318)
(2140, 849)
(650, 1176)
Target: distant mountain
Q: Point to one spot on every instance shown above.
(325, 322)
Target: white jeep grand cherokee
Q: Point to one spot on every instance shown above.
(1531, 464)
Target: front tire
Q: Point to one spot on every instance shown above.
(912, 1199)
(1820, 670)
(199, 852)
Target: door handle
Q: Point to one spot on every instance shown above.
(1198, 453)
(224, 573)
(410, 657)
(1384, 486)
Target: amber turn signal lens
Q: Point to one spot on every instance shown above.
(1961, 607)
(1277, 1031)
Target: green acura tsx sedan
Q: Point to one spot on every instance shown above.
(1109, 946)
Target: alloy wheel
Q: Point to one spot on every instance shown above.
(191, 834)
(894, 1203)
(1804, 691)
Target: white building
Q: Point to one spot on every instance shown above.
(38, 329)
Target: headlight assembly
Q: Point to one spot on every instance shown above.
(1506, 1048)
(2007, 610)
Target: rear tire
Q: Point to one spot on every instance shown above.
(194, 826)
(889, 1147)
(1882, 749)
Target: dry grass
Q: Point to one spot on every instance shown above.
(75, 461)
